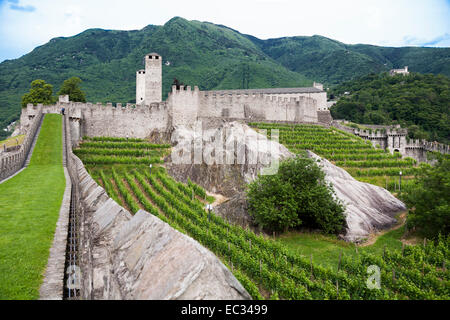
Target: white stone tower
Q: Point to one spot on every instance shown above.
(140, 86)
(153, 78)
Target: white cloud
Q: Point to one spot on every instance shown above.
(381, 22)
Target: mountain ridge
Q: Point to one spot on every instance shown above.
(200, 53)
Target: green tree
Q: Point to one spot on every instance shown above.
(296, 196)
(40, 92)
(72, 88)
(430, 200)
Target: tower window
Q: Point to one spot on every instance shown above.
(156, 57)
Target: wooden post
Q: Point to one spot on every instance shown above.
(337, 288)
(357, 250)
(403, 249)
(274, 234)
(424, 242)
(192, 198)
(250, 243)
(340, 259)
(311, 258)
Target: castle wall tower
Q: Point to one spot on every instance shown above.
(153, 78)
(140, 86)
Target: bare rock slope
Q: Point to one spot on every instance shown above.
(141, 257)
(369, 208)
(249, 151)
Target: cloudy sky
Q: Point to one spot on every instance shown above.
(25, 24)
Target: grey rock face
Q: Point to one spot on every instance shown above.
(154, 261)
(235, 210)
(369, 208)
(142, 257)
(250, 152)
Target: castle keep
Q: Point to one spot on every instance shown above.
(149, 80)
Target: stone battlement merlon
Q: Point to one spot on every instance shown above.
(183, 90)
(268, 91)
(231, 96)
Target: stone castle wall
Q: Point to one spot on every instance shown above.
(395, 140)
(87, 119)
(188, 105)
(11, 162)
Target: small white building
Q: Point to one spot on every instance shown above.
(403, 71)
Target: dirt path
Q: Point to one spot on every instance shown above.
(219, 198)
(373, 237)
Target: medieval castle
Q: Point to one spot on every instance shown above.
(187, 105)
(184, 106)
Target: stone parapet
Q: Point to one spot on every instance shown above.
(11, 162)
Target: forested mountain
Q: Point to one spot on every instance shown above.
(200, 53)
(419, 102)
(331, 62)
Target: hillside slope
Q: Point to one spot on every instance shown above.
(418, 102)
(332, 62)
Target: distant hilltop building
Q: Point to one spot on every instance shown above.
(403, 71)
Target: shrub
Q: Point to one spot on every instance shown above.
(296, 196)
(430, 199)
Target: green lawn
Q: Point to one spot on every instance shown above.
(325, 250)
(29, 208)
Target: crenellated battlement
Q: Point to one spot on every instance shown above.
(109, 106)
(218, 97)
(395, 139)
(428, 146)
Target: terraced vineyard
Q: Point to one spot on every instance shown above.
(264, 266)
(357, 156)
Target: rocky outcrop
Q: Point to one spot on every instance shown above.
(220, 141)
(154, 261)
(235, 210)
(141, 257)
(369, 208)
